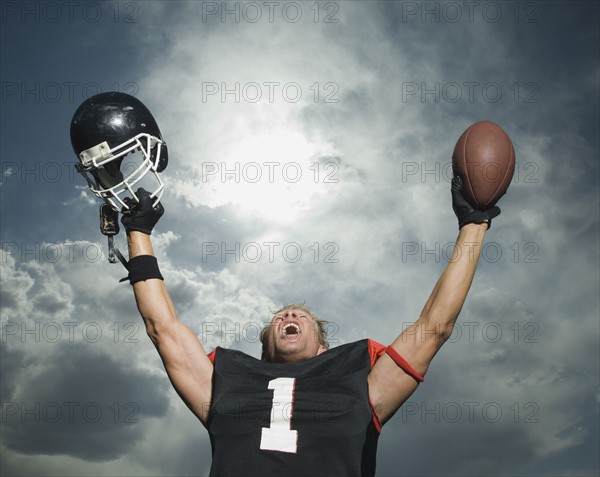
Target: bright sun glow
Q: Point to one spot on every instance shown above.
(275, 175)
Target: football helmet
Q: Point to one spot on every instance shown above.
(105, 129)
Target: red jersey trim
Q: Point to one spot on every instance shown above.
(376, 351)
(375, 418)
(402, 363)
(211, 355)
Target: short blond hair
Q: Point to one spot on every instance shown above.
(319, 323)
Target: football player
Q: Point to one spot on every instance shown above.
(303, 409)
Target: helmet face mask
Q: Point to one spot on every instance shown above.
(116, 173)
(119, 147)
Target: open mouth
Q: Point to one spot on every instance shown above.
(291, 331)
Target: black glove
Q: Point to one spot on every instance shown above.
(141, 216)
(465, 212)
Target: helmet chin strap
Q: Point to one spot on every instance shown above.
(109, 226)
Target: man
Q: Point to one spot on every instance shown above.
(303, 409)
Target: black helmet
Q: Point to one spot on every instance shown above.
(106, 128)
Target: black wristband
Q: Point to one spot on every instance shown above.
(142, 267)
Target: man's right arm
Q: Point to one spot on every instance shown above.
(187, 365)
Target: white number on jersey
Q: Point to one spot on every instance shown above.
(280, 436)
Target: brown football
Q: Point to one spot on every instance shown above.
(484, 157)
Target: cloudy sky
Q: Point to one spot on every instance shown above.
(310, 145)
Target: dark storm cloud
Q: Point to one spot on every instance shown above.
(79, 391)
(13, 361)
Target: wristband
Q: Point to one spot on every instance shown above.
(142, 267)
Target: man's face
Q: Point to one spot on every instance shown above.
(293, 337)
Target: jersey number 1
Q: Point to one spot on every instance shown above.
(280, 436)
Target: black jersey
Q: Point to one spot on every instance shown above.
(312, 418)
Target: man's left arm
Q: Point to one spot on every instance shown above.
(390, 385)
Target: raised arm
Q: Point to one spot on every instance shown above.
(389, 384)
(183, 356)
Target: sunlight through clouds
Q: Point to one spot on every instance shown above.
(276, 175)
